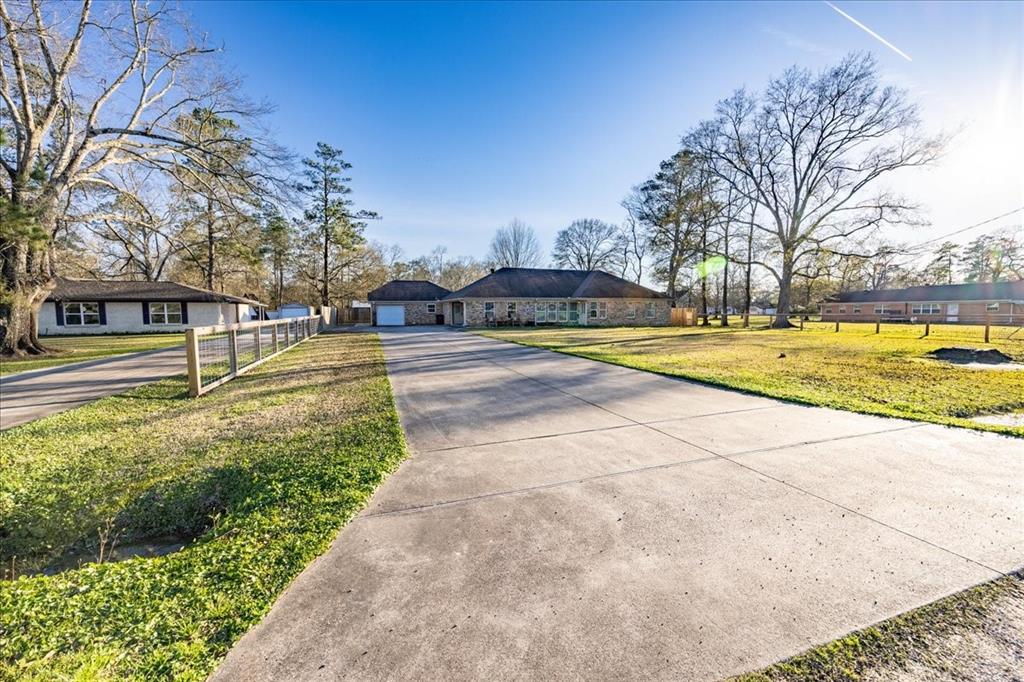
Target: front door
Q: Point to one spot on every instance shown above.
(457, 316)
(952, 312)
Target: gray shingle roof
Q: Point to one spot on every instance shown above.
(110, 290)
(548, 283)
(408, 290)
(978, 291)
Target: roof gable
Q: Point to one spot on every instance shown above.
(121, 290)
(408, 290)
(552, 283)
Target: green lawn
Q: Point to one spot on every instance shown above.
(854, 369)
(77, 348)
(255, 479)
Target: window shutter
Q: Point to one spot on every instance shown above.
(184, 312)
(145, 312)
(60, 313)
(103, 312)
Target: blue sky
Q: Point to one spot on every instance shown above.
(459, 117)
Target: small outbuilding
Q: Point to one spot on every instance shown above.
(403, 302)
(118, 307)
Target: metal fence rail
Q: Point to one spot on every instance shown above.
(219, 353)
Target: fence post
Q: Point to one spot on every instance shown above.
(837, 325)
(986, 330)
(259, 343)
(927, 328)
(233, 350)
(273, 335)
(195, 377)
(801, 323)
(878, 326)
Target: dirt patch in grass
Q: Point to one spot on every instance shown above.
(973, 356)
(974, 635)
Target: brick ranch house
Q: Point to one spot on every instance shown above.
(524, 296)
(117, 307)
(995, 302)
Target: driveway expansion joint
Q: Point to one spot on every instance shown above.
(755, 470)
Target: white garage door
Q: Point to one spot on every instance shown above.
(391, 315)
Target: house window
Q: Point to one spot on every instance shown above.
(574, 312)
(431, 307)
(882, 310)
(511, 309)
(649, 310)
(563, 311)
(82, 314)
(828, 309)
(165, 313)
(842, 310)
(992, 307)
(631, 311)
(540, 314)
(488, 310)
(856, 310)
(598, 310)
(925, 309)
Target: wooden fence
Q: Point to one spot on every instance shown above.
(219, 353)
(683, 317)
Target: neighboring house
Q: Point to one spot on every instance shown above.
(407, 302)
(525, 296)
(997, 302)
(118, 307)
(294, 310)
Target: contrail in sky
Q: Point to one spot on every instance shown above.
(870, 32)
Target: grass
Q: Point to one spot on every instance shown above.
(887, 374)
(255, 479)
(953, 638)
(78, 348)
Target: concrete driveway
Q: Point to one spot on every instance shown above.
(38, 393)
(567, 519)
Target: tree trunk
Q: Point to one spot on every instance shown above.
(725, 281)
(26, 279)
(211, 244)
(704, 279)
(325, 291)
(785, 291)
(746, 284)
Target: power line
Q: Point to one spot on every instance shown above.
(963, 229)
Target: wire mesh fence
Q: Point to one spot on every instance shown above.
(992, 329)
(219, 353)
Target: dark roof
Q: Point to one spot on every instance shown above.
(542, 283)
(978, 291)
(408, 290)
(107, 290)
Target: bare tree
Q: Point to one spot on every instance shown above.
(633, 247)
(587, 244)
(135, 226)
(82, 92)
(810, 151)
(514, 246)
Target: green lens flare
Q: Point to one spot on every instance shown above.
(710, 266)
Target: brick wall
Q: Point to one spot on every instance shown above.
(969, 312)
(617, 312)
(416, 312)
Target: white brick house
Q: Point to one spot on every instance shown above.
(116, 307)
